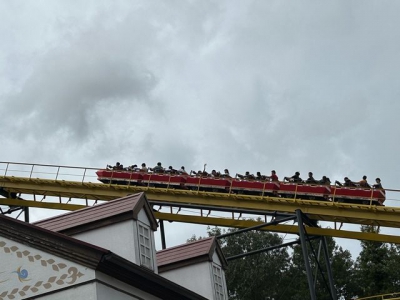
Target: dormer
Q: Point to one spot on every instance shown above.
(125, 226)
(199, 266)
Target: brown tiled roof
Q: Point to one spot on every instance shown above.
(100, 215)
(187, 254)
(94, 257)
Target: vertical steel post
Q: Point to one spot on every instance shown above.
(26, 211)
(329, 269)
(318, 256)
(305, 254)
(163, 244)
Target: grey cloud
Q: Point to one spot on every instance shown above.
(253, 86)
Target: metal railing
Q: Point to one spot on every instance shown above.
(88, 174)
(45, 171)
(390, 296)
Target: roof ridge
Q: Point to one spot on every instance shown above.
(187, 244)
(110, 202)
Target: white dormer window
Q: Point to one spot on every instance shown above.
(218, 283)
(146, 257)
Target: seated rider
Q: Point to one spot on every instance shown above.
(273, 176)
(347, 182)
(295, 178)
(118, 166)
(215, 174)
(158, 168)
(143, 168)
(310, 179)
(171, 170)
(200, 173)
(259, 176)
(226, 174)
(133, 168)
(378, 184)
(363, 182)
(325, 181)
(182, 171)
(246, 176)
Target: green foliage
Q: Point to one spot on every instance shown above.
(258, 276)
(376, 267)
(280, 274)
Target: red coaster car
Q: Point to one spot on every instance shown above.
(207, 184)
(119, 177)
(358, 195)
(254, 187)
(304, 191)
(163, 179)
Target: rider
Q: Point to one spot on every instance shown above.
(158, 168)
(378, 184)
(363, 182)
(347, 182)
(325, 180)
(226, 174)
(273, 176)
(310, 179)
(182, 171)
(143, 168)
(295, 178)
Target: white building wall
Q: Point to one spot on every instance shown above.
(87, 292)
(98, 290)
(108, 288)
(195, 277)
(119, 238)
(27, 272)
(216, 259)
(142, 217)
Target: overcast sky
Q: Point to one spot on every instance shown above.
(245, 85)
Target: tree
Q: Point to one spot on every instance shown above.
(342, 271)
(376, 267)
(258, 276)
(280, 273)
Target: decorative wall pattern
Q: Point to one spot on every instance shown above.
(67, 274)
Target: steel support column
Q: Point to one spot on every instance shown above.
(303, 242)
(26, 212)
(328, 268)
(163, 244)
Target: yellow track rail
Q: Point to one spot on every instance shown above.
(317, 210)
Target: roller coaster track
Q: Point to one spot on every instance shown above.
(72, 188)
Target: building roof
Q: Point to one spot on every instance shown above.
(188, 254)
(113, 211)
(93, 257)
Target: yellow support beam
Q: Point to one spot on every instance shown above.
(291, 229)
(40, 204)
(317, 210)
